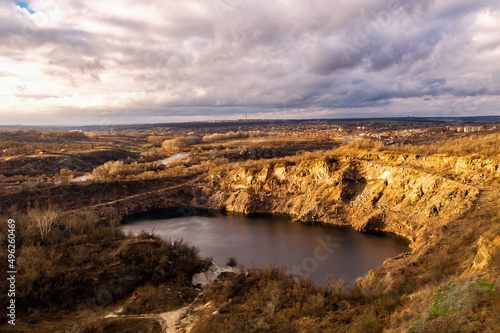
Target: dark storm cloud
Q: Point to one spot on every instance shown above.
(225, 58)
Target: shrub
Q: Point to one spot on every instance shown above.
(232, 262)
(113, 170)
(43, 219)
(367, 322)
(232, 135)
(180, 142)
(156, 140)
(159, 260)
(263, 299)
(84, 261)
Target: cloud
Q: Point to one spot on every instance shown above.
(142, 61)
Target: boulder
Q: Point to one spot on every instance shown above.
(211, 274)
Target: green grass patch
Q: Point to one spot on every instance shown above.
(455, 306)
(486, 286)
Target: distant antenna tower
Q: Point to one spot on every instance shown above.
(246, 117)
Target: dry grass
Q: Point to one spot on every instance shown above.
(460, 306)
(87, 263)
(482, 144)
(486, 145)
(181, 142)
(115, 170)
(232, 135)
(127, 325)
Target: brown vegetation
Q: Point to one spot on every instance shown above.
(30, 142)
(114, 170)
(444, 198)
(43, 219)
(180, 142)
(485, 145)
(185, 141)
(50, 164)
(132, 325)
(232, 135)
(83, 263)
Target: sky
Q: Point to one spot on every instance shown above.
(148, 61)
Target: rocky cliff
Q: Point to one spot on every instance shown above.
(366, 194)
(474, 169)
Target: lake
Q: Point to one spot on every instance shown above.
(313, 250)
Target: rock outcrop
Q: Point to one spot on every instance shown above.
(369, 196)
(211, 274)
(487, 250)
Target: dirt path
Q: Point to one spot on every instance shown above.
(171, 318)
(136, 196)
(168, 320)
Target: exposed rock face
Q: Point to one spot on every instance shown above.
(475, 169)
(211, 274)
(207, 276)
(367, 195)
(487, 251)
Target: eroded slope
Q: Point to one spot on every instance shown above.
(365, 194)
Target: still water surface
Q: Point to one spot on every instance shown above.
(314, 250)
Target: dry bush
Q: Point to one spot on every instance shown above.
(109, 170)
(28, 142)
(178, 172)
(307, 155)
(169, 261)
(114, 170)
(43, 219)
(231, 262)
(367, 322)
(232, 135)
(265, 299)
(336, 290)
(118, 170)
(363, 145)
(156, 140)
(314, 304)
(83, 255)
(180, 142)
(39, 265)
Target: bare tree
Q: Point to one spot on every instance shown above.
(43, 219)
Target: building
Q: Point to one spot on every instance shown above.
(470, 129)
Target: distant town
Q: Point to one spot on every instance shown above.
(389, 131)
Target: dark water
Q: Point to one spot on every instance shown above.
(312, 250)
